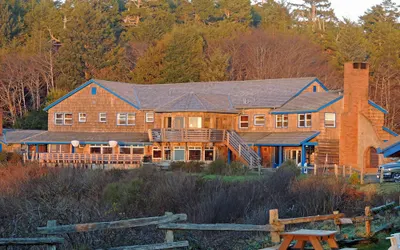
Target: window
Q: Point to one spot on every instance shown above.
(194, 153)
(179, 153)
(149, 117)
(167, 153)
(136, 150)
(244, 121)
(304, 120)
(314, 88)
(179, 122)
(281, 121)
(101, 149)
(125, 119)
(194, 122)
(82, 117)
(94, 90)
(60, 148)
(63, 118)
(157, 154)
(209, 154)
(102, 117)
(330, 120)
(125, 150)
(168, 122)
(59, 119)
(207, 122)
(259, 120)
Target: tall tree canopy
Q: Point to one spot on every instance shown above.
(49, 47)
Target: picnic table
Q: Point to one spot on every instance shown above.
(315, 237)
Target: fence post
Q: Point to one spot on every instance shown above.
(276, 228)
(368, 221)
(315, 169)
(336, 170)
(381, 176)
(51, 223)
(361, 176)
(337, 222)
(344, 171)
(169, 234)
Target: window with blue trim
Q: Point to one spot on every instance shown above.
(94, 90)
(314, 88)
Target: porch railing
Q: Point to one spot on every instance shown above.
(90, 158)
(187, 135)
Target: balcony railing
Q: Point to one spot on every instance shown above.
(187, 135)
(88, 158)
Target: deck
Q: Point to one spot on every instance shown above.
(187, 135)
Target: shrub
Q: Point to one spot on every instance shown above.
(290, 166)
(237, 168)
(3, 156)
(354, 179)
(217, 167)
(177, 165)
(194, 166)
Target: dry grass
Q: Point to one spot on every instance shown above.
(30, 196)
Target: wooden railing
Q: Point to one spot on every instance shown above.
(235, 142)
(89, 158)
(186, 135)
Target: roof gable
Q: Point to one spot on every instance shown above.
(124, 93)
(309, 102)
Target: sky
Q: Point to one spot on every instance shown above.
(351, 8)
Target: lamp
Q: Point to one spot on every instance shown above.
(113, 144)
(75, 143)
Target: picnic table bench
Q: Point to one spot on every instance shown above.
(315, 237)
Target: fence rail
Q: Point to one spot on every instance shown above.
(168, 222)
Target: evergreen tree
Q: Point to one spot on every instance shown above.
(11, 21)
(314, 13)
(351, 43)
(236, 10)
(271, 15)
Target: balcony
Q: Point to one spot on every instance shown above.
(187, 135)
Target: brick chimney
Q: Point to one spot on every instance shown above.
(356, 80)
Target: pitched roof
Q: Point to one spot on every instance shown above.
(199, 102)
(279, 138)
(19, 136)
(252, 94)
(309, 102)
(391, 148)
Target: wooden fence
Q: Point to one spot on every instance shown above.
(168, 223)
(334, 169)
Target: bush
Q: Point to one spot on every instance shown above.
(3, 156)
(237, 168)
(354, 179)
(290, 167)
(189, 167)
(217, 167)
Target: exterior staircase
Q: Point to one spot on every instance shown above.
(248, 156)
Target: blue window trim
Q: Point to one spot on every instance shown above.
(314, 88)
(254, 120)
(389, 131)
(373, 104)
(85, 85)
(309, 111)
(94, 90)
(334, 126)
(305, 120)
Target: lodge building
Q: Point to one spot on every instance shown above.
(258, 122)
